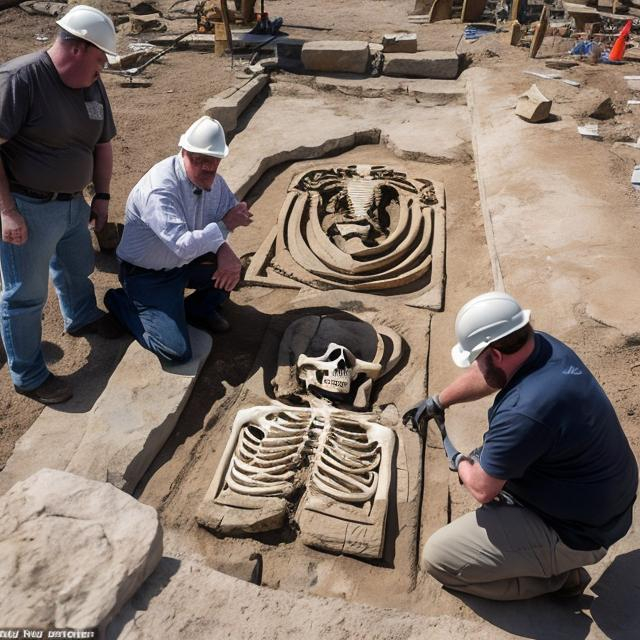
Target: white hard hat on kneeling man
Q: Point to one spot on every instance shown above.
(483, 320)
(205, 136)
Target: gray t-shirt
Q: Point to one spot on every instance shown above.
(50, 129)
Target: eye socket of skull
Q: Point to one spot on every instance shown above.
(337, 356)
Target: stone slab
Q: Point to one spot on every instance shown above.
(424, 64)
(184, 598)
(347, 56)
(117, 439)
(400, 43)
(426, 91)
(72, 551)
(227, 106)
(276, 134)
(289, 48)
(588, 270)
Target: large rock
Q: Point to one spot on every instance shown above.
(424, 64)
(345, 56)
(533, 105)
(72, 551)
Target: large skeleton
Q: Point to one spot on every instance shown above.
(359, 228)
(344, 461)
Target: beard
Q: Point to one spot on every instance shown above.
(493, 376)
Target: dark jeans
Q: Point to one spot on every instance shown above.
(152, 305)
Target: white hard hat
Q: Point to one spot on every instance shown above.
(90, 24)
(484, 320)
(205, 136)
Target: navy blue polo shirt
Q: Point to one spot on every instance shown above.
(555, 437)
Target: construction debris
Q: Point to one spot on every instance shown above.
(603, 109)
(515, 33)
(553, 76)
(533, 106)
(541, 29)
(589, 131)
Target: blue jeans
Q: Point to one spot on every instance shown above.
(152, 305)
(58, 244)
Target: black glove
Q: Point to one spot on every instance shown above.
(474, 455)
(416, 418)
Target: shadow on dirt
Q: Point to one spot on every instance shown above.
(614, 612)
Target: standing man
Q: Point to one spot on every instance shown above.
(176, 224)
(555, 475)
(55, 132)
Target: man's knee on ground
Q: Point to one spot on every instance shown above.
(174, 351)
(435, 558)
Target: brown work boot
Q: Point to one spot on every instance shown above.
(106, 326)
(575, 584)
(52, 391)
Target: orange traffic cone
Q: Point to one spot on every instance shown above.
(617, 51)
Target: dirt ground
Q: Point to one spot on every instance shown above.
(149, 121)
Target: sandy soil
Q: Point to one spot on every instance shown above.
(149, 121)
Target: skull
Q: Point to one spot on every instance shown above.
(335, 370)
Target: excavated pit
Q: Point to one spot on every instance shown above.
(328, 556)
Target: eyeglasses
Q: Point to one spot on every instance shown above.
(201, 160)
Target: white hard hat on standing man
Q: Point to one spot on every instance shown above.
(90, 24)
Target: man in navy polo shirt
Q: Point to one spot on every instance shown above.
(555, 474)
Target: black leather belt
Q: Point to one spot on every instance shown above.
(47, 196)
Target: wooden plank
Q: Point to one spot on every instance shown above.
(515, 33)
(440, 10)
(248, 10)
(515, 9)
(227, 27)
(472, 10)
(541, 29)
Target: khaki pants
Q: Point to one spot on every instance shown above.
(502, 552)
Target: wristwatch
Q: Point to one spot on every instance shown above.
(101, 196)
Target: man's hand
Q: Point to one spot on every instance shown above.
(14, 227)
(227, 275)
(418, 416)
(238, 216)
(99, 214)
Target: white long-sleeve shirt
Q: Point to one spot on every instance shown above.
(169, 221)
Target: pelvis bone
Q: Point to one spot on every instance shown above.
(335, 369)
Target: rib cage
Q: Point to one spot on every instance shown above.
(274, 448)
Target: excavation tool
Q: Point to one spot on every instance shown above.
(417, 418)
(453, 455)
(133, 71)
